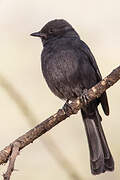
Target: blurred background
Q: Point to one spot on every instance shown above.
(25, 99)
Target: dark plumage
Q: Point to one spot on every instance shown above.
(69, 68)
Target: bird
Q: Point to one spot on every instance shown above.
(70, 69)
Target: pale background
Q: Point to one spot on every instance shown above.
(98, 23)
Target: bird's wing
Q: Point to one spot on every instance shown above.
(87, 51)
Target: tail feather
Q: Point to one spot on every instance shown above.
(100, 156)
(104, 103)
(109, 163)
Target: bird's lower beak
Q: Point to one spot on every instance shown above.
(38, 34)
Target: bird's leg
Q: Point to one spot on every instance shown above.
(84, 97)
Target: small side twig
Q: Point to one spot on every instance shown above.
(61, 115)
(12, 158)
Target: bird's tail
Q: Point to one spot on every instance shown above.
(100, 156)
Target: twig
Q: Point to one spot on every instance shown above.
(61, 115)
(12, 158)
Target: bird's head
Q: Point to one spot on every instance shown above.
(53, 29)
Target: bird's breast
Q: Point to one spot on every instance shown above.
(60, 68)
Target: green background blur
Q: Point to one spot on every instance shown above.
(98, 23)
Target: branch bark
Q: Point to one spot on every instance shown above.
(61, 115)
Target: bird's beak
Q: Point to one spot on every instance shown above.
(39, 34)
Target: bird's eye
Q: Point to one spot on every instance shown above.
(51, 31)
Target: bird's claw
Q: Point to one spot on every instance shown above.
(84, 97)
(67, 108)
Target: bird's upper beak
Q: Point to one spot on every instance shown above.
(39, 34)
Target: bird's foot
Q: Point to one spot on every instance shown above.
(68, 109)
(84, 97)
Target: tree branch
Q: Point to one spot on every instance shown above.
(32, 119)
(61, 115)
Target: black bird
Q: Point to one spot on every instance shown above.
(69, 68)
